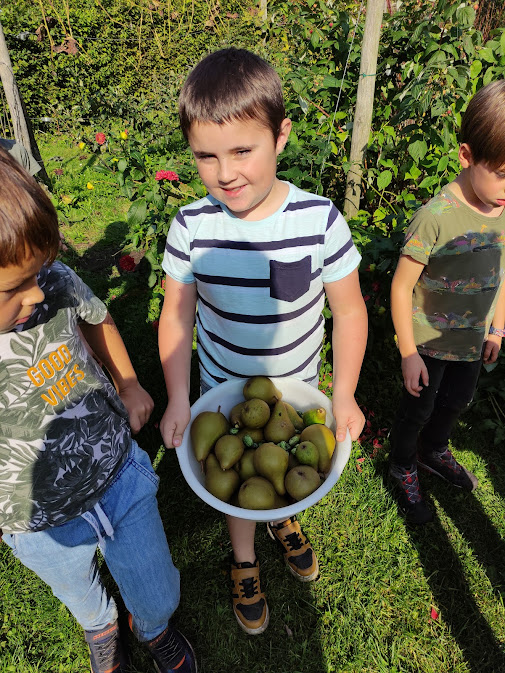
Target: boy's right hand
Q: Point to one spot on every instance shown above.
(414, 371)
(174, 422)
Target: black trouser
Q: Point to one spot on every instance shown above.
(432, 416)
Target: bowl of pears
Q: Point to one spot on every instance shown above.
(262, 449)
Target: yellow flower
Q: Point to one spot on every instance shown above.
(81, 145)
(90, 185)
(124, 134)
(381, 310)
(114, 159)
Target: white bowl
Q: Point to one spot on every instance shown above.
(302, 396)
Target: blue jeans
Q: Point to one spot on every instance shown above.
(127, 525)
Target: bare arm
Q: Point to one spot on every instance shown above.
(175, 343)
(350, 329)
(106, 342)
(413, 367)
(493, 342)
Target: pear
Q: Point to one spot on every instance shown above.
(229, 450)
(256, 493)
(221, 483)
(255, 413)
(205, 430)
(256, 434)
(271, 462)
(313, 416)
(292, 462)
(301, 481)
(306, 453)
(280, 501)
(245, 466)
(263, 388)
(279, 428)
(294, 417)
(235, 420)
(324, 439)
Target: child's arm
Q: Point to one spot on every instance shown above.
(493, 342)
(350, 329)
(107, 344)
(413, 367)
(175, 343)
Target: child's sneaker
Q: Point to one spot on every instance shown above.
(298, 553)
(172, 652)
(443, 464)
(105, 651)
(249, 602)
(410, 500)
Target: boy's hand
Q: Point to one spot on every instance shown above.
(138, 403)
(491, 349)
(175, 420)
(414, 370)
(347, 415)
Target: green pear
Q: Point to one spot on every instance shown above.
(292, 462)
(221, 483)
(280, 501)
(301, 481)
(256, 493)
(324, 439)
(263, 388)
(205, 430)
(229, 450)
(306, 453)
(245, 466)
(294, 417)
(279, 428)
(271, 462)
(235, 420)
(313, 416)
(255, 413)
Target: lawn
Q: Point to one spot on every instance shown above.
(389, 598)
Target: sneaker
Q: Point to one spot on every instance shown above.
(298, 554)
(105, 650)
(443, 464)
(411, 502)
(249, 602)
(172, 652)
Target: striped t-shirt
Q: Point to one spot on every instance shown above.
(260, 284)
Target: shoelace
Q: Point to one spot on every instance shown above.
(294, 541)
(169, 651)
(106, 653)
(410, 485)
(451, 462)
(248, 587)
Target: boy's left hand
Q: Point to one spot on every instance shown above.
(491, 349)
(138, 403)
(347, 415)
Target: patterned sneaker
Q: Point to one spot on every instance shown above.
(172, 652)
(443, 464)
(410, 500)
(249, 602)
(105, 650)
(298, 554)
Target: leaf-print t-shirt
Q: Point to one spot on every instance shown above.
(454, 300)
(64, 432)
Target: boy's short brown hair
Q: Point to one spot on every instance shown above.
(483, 125)
(28, 220)
(232, 84)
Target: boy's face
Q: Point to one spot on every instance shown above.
(486, 185)
(237, 163)
(19, 291)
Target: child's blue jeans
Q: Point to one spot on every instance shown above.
(126, 524)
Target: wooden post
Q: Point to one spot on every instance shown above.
(23, 132)
(364, 104)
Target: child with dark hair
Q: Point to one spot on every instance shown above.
(448, 304)
(258, 256)
(71, 476)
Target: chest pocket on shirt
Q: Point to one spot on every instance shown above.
(289, 280)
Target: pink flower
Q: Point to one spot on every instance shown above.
(163, 283)
(127, 263)
(366, 297)
(166, 175)
(376, 286)
(100, 138)
(376, 444)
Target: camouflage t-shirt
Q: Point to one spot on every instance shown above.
(454, 299)
(64, 432)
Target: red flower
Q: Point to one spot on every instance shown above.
(58, 171)
(376, 444)
(376, 286)
(100, 138)
(166, 175)
(127, 263)
(155, 325)
(163, 283)
(433, 614)
(366, 297)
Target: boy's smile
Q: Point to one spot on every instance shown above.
(19, 291)
(237, 163)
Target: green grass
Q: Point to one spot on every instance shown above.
(369, 612)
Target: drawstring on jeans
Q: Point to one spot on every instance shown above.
(102, 518)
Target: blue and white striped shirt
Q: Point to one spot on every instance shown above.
(260, 284)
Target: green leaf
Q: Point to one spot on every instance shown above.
(429, 181)
(502, 43)
(137, 213)
(384, 179)
(418, 149)
(465, 16)
(442, 164)
(314, 39)
(330, 81)
(136, 174)
(487, 55)
(121, 165)
(488, 76)
(297, 85)
(475, 69)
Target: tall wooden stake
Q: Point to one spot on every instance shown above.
(364, 104)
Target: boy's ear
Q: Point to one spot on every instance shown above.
(465, 155)
(282, 138)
